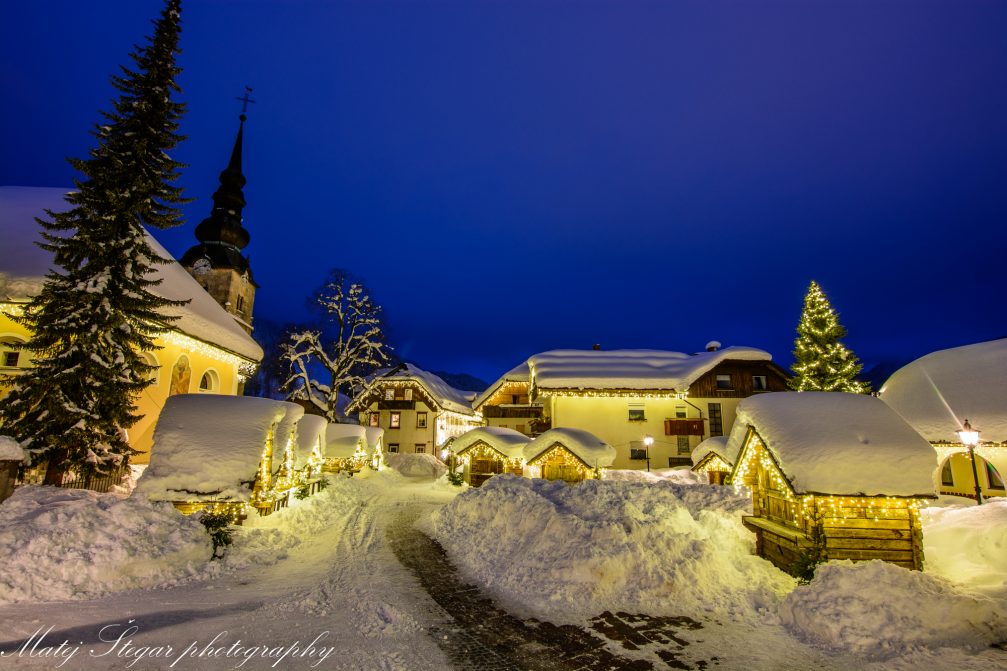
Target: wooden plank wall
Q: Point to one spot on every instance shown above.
(894, 536)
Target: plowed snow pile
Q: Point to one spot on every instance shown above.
(76, 544)
(879, 610)
(967, 544)
(417, 464)
(563, 552)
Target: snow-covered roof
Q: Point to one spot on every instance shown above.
(374, 436)
(208, 446)
(714, 445)
(519, 373)
(286, 433)
(509, 442)
(837, 443)
(443, 394)
(25, 266)
(630, 368)
(588, 447)
(938, 392)
(10, 449)
(310, 434)
(343, 440)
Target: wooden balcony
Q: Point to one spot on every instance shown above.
(512, 411)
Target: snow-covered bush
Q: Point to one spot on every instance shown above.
(565, 552)
(880, 610)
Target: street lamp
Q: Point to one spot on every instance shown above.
(970, 438)
(647, 442)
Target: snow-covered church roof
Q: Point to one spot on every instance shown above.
(586, 446)
(443, 394)
(938, 392)
(23, 266)
(508, 442)
(630, 368)
(837, 443)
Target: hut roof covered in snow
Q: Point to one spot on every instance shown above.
(714, 445)
(506, 441)
(630, 368)
(586, 446)
(938, 392)
(836, 443)
(439, 391)
(209, 447)
(24, 265)
(343, 440)
(310, 434)
(517, 374)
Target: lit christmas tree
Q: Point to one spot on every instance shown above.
(821, 361)
(96, 313)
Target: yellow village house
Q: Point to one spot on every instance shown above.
(205, 351)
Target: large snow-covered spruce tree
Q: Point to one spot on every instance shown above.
(348, 345)
(821, 361)
(96, 313)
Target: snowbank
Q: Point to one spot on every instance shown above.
(967, 544)
(680, 475)
(835, 443)
(60, 544)
(565, 552)
(417, 464)
(879, 610)
(10, 449)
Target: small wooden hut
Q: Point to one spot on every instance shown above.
(346, 448)
(375, 446)
(11, 456)
(711, 457)
(571, 455)
(217, 453)
(308, 459)
(833, 476)
(488, 451)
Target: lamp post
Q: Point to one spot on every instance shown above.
(970, 438)
(647, 442)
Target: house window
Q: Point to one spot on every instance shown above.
(395, 421)
(637, 452)
(993, 478)
(683, 445)
(393, 448)
(420, 448)
(374, 419)
(408, 394)
(947, 479)
(636, 413)
(716, 419)
(724, 382)
(680, 412)
(759, 383)
(421, 420)
(389, 394)
(10, 359)
(208, 383)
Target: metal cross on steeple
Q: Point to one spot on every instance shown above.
(245, 99)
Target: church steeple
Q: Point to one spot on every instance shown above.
(217, 263)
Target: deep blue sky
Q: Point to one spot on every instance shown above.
(511, 177)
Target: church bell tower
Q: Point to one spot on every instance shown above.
(217, 262)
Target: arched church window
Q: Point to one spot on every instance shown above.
(10, 356)
(209, 383)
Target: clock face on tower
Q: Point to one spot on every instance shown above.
(201, 266)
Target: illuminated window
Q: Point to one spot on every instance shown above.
(636, 413)
(396, 420)
(724, 382)
(993, 478)
(408, 395)
(389, 394)
(374, 419)
(716, 419)
(421, 420)
(947, 478)
(759, 383)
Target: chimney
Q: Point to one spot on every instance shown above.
(712, 346)
(596, 347)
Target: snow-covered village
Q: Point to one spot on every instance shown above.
(418, 336)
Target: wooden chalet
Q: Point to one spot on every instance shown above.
(571, 455)
(507, 403)
(833, 476)
(488, 451)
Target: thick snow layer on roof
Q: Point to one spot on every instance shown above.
(591, 449)
(443, 394)
(10, 449)
(311, 431)
(504, 440)
(517, 374)
(717, 445)
(836, 443)
(630, 368)
(286, 433)
(938, 392)
(374, 436)
(24, 264)
(343, 440)
(209, 447)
